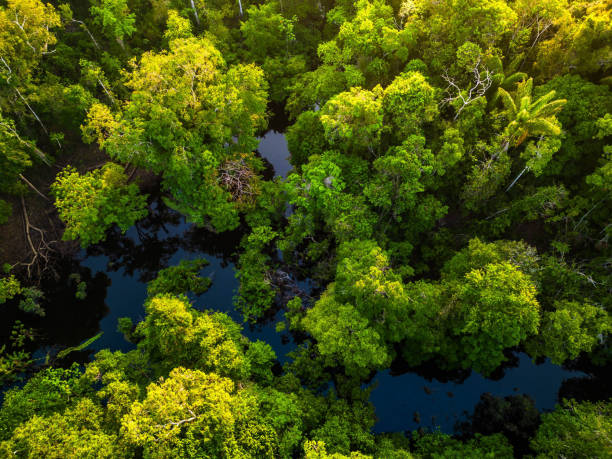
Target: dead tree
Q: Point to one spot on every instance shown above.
(481, 82)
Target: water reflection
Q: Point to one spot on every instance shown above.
(273, 147)
(438, 403)
(116, 273)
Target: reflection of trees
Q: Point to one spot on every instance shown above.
(158, 238)
(220, 245)
(591, 387)
(432, 369)
(279, 121)
(514, 416)
(147, 254)
(68, 321)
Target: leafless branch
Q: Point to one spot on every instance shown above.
(181, 422)
(41, 250)
(481, 83)
(21, 25)
(27, 182)
(88, 32)
(39, 152)
(31, 110)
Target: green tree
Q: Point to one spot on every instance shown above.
(174, 334)
(192, 412)
(192, 120)
(498, 311)
(570, 329)
(91, 203)
(353, 121)
(575, 430)
(344, 336)
(78, 432)
(26, 34)
(115, 18)
(528, 118)
(180, 279)
(439, 445)
(256, 292)
(400, 177)
(47, 392)
(408, 103)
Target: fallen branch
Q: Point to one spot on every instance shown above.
(40, 254)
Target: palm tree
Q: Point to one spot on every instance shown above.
(506, 78)
(528, 118)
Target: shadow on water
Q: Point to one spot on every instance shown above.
(116, 273)
(151, 251)
(442, 404)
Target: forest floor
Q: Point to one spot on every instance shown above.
(32, 239)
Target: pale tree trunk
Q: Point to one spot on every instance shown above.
(21, 96)
(112, 99)
(88, 32)
(517, 178)
(195, 12)
(32, 110)
(240, 7)
(40, 153)
(27, 182)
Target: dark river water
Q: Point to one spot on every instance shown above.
(117, 271)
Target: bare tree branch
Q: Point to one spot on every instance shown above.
(40, 251)
(27, 182)
(481, 83)
(88, 32)
(181, 422)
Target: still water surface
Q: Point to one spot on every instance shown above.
(396, 398)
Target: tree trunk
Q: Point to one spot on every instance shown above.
(32, 110)
(517, 177)
(195, 12)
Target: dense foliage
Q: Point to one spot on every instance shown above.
(450, 200)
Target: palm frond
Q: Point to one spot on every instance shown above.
(538, 104)
(543, 126)
(508, 102)
(553, 107)
(524, 89)
(513, 79)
